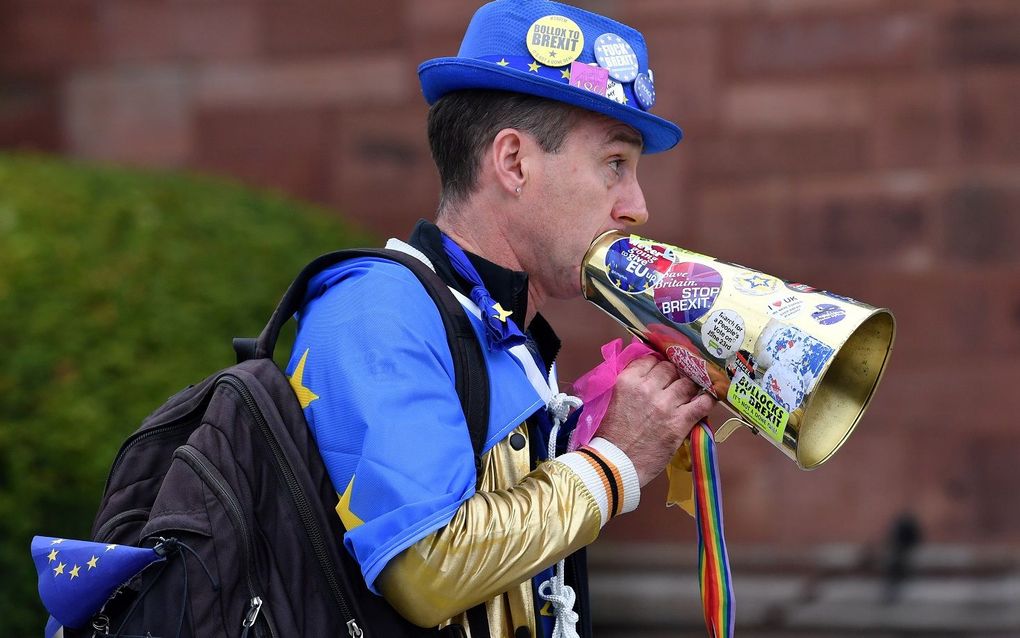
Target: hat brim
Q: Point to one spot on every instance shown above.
(443, 75)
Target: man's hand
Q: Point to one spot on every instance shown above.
(653, 409)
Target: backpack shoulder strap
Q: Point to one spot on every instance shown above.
(470, 372)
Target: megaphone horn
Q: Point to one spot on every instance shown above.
(794, 363)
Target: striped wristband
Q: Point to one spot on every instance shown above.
(608, 474)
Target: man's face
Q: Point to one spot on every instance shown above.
(586, 188)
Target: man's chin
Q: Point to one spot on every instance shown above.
(576, 289)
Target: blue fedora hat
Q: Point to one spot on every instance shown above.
(558, 52)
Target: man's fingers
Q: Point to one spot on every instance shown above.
(662, 375)
(683, 389)
(642, 365)
(696, 409)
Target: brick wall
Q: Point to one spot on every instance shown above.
(870, 147)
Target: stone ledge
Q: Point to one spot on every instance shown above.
(639, 590)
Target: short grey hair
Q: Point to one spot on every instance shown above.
(462, 124)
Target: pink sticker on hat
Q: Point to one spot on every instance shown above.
(589, 78)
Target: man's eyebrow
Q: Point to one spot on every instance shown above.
(626, 135)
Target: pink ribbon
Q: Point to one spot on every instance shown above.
(595, 387)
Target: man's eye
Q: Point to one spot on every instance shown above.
(616, 164)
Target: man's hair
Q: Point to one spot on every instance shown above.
(463, 123)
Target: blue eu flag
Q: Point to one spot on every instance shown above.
(76, 578)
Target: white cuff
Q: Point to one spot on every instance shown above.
(631, 484)
(608, 474)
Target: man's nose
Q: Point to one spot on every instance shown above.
(630, 208)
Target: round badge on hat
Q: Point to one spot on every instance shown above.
(615, 92)
(614, 54)
(644, 90)
(555, 40)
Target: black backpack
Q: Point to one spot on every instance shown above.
(226, 475)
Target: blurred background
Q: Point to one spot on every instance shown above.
(167, 165)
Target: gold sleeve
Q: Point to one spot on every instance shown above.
(496, 540)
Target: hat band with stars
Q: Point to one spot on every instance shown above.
(620, 92)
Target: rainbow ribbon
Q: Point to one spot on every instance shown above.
(713, 560)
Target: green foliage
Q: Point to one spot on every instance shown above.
(117, 288)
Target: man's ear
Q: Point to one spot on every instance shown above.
(507, 155)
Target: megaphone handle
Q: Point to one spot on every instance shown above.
(726, 429)
(717, 597)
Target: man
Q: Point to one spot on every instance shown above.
(537, 128)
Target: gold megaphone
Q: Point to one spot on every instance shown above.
(794, 363)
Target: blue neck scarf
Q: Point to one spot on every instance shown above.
(500, 331)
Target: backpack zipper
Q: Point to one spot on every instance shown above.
(300, 501)
(255, 606)
(201, 465)
(145, 434)
(139, 513)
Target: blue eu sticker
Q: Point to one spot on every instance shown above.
(637, 266)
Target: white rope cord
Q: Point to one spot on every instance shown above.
(555, 590)
(559, 408)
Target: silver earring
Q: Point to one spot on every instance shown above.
(518, 189)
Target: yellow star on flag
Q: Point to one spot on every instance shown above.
(56, 541)
(304, 395)
(53, 555)
(503, 62)
(92, 562)
(343, 508)
(533, 67)
(59, 569)
(565, 73)
(500, 313)
(109, 547)
(74, 572)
